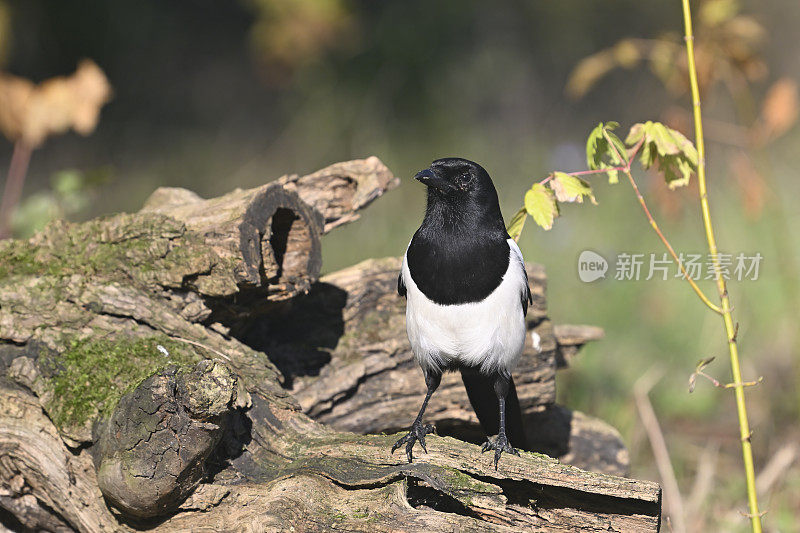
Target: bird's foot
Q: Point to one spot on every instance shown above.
(499, 445)
(417, 433)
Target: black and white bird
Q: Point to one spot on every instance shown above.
(467, 296)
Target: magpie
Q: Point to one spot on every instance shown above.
(467, 295)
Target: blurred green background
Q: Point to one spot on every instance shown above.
(214, 95)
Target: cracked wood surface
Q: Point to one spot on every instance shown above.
(134, 284)
(296, 473)
(150, 454)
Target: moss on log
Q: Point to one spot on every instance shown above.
(88, 310)
(91, 375)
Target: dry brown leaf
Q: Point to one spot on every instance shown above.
(779, 111)
(14, 95)
(588, 72)
(752, 186)
(290, 33)
(31, 113)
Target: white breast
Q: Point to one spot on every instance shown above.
(489, 334)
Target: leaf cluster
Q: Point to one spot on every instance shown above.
(656, 145)
(675, 154)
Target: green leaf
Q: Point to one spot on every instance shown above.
(597, 145)
(686, 146)
(540, 204)
(592, 148)
(677, 171)
(636, 133)
(620, 155)
(599, 152)
(571, 188)
(517, 223)
(675, 154)
(34, 213)
(647, 157)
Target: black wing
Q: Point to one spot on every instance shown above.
(401, 287)
(526, 296)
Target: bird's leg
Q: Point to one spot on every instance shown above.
(500, 444)
(418, 430)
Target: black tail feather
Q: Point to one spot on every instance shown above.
(481, 393)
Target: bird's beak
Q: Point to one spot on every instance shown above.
(429, 178)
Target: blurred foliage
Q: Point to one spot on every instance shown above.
(70, 193)
(727, 46)
(778, 114)
(5, 32)
(287, 34)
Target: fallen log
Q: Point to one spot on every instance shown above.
(101, 326)
(270, 234)
(295, 474)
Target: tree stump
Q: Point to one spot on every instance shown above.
(182, 368)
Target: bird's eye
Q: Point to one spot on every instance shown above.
(463, 180)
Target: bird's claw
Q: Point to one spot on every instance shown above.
(417, 433)
(499, 445)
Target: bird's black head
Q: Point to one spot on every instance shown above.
(461, 191)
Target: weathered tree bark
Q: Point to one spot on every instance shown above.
(89, 311)
(268, 236)
(174, 417)
(295, 474)
(341, 190)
